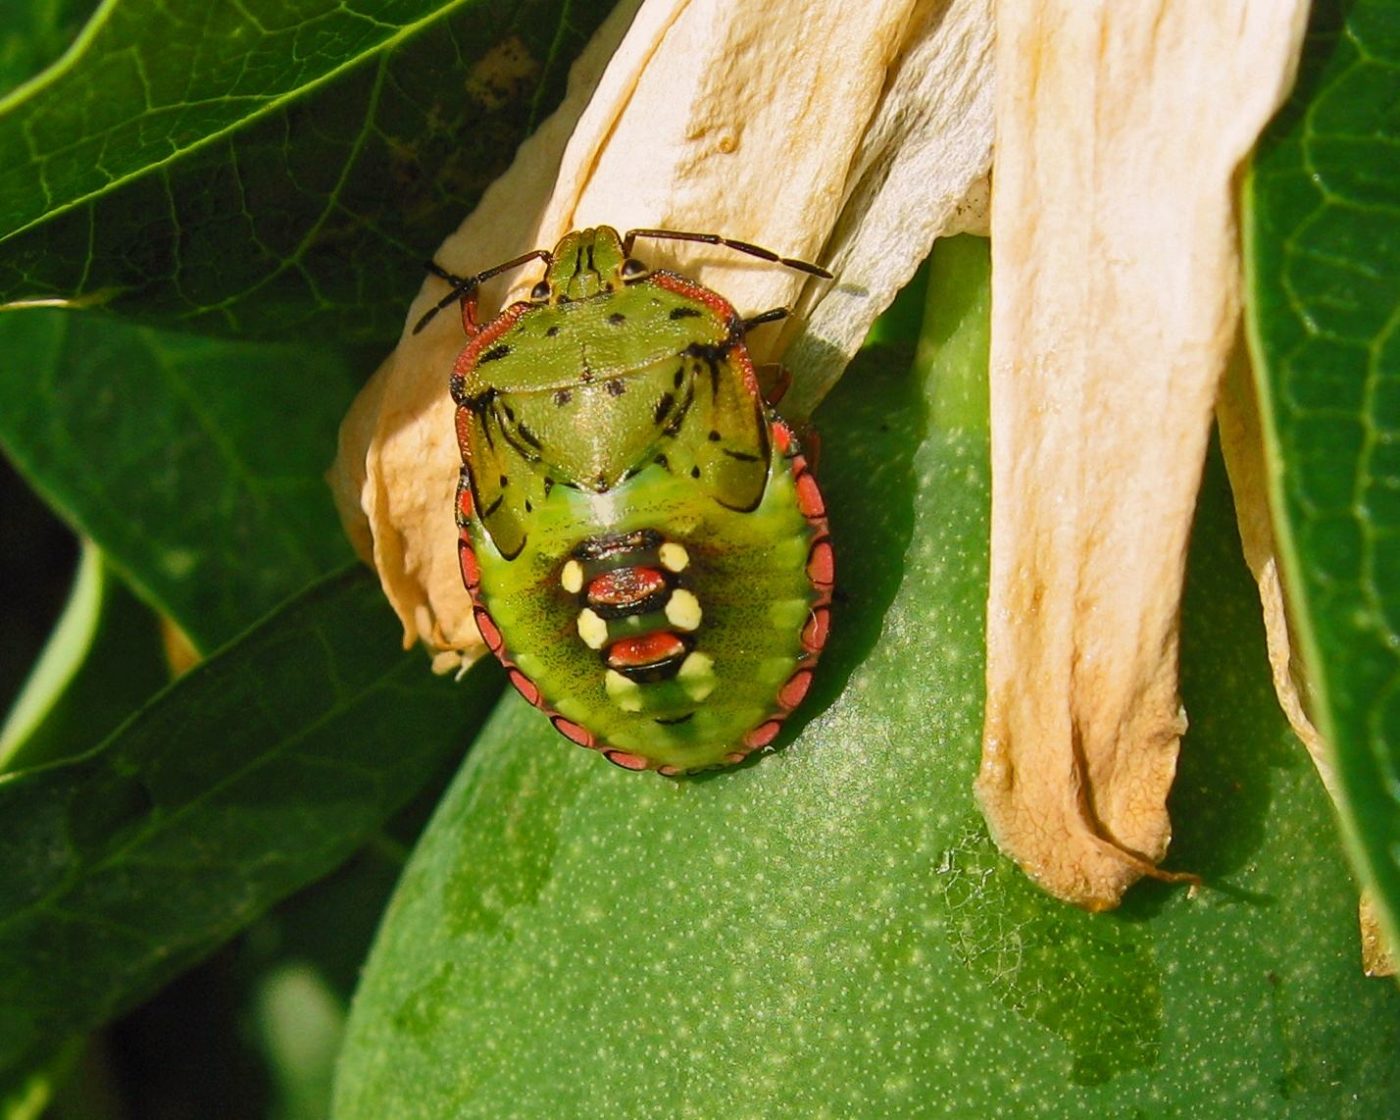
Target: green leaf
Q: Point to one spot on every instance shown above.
(829, 931)
(301, 992)
(269, 168)
(29, 1095)
(33, 33)
(103, 661)
(1323, 261)
(254, 774)
(287, 980)
(195, 464)
(38, 558)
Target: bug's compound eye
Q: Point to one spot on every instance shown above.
(633, 269)
(540, 292)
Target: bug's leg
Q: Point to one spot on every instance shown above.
(469, 323)
(464, 288)
(774, 381)
(799, 438)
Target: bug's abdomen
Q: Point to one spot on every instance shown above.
(637, 612)
(654, 624)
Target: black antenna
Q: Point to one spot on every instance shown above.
(462, 286)
(714, 239)
(771, 316)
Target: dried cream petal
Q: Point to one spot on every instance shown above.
(1115, 303)
(920, 173)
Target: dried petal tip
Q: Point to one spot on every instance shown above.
(1115, 299)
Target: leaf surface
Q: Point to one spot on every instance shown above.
(33, 33)
(102, 662)
(261, 168)
(829, 931)
(254, 774)
(194, 463)
(1323, 234)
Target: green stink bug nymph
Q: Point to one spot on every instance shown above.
(643, 540)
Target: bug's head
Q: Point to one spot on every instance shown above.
(585, 263)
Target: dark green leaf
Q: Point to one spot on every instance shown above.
(829, 931)
(273, 167)
(1323, 231)
(195, 464)
(254, 774)
(38, 557)
(28, 1095)
(33, 33)
(287, 979)
(103, 661)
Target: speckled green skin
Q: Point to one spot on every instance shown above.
(633, 405)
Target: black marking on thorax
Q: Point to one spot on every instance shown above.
(479, 403)
(521, 440)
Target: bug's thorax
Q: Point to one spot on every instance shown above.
(590, 391)
(594, 433)
(549, 345)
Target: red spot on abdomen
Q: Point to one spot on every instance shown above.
(821, 564)
(572, 731)
(792, 693)
(466, 559)
(490, 634)
(814, 633)
(633, 653)
(525, 686)
(763, 734)
(625, 587)
(627, 761)
(809, 496)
